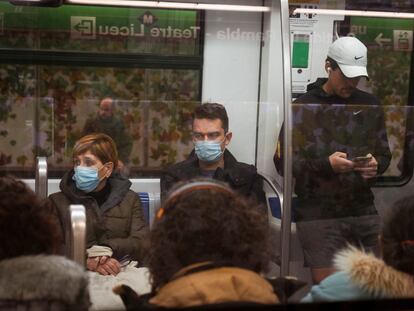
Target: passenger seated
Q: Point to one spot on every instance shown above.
(115, 225)
(31, 277)
(208, 246)
(210, 157)
(363, 276)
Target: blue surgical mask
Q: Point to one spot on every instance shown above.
(86, 178)
(208, 151)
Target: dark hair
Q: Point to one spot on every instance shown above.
(332, 63)
(100, 145)
(210, 224)
(212, 111)
(26, 222)
(398, 236)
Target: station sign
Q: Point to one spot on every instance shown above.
(384, 33)
(109, 29)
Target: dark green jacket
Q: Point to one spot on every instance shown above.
(118, 223)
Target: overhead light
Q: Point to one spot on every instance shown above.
(355, 13)
(171, 5)
(51, 3)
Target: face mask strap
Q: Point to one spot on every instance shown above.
(103, 165)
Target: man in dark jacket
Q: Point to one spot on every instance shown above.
(340, 146)
(210, 158)
(108, 123)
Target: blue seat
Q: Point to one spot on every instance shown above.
(145, 204)
(276, 210)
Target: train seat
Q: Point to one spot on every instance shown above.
(144, 198)
(150, 202)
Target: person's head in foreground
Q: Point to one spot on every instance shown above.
(31, 276)
(26, 225)
(208, 239)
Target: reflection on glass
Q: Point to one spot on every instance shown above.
(153, 107)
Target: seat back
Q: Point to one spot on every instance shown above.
(150, 202)
(144, 198)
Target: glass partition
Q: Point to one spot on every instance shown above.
(60, 63)
(138, 74)
(351, 137)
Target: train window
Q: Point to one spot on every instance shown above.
(58, 64)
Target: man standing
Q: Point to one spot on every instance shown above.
(339, 147)
(106, 122)
(211, 159)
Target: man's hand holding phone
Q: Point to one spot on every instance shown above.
(340, 163)
(367, 166)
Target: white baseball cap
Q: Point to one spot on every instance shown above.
(351, 56)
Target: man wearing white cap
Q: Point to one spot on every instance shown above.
(339, 147)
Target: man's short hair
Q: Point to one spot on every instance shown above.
(212, 111)
(332, 63)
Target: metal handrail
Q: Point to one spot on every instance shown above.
(275, 186)
(41, 177)
(287, 150)
(154, 205)
(77, 233)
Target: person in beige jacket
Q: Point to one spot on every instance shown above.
(208, 246)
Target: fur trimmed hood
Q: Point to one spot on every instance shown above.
(373, 274)
(43, 277)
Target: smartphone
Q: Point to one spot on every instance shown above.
(362, 159)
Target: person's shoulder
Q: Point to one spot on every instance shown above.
(91, 121)
(309, 97)
(313, 94)
(337, 286)
(246, 167)
(55, 195)
(180, 166)
(232, 164)
(362, 97)
(59, 199)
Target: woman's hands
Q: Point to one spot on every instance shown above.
(104, 265)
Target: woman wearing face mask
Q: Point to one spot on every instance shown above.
(115, 226)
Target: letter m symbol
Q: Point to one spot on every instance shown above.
(147, 18)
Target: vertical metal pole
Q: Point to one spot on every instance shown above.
(41, 177)
(78, 233)
(287, 149)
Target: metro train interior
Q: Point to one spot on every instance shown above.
(159, 60)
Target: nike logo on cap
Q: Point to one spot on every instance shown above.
(356, 58)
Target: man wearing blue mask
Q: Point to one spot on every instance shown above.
(211, 159)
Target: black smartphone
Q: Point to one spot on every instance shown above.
(362, 159)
